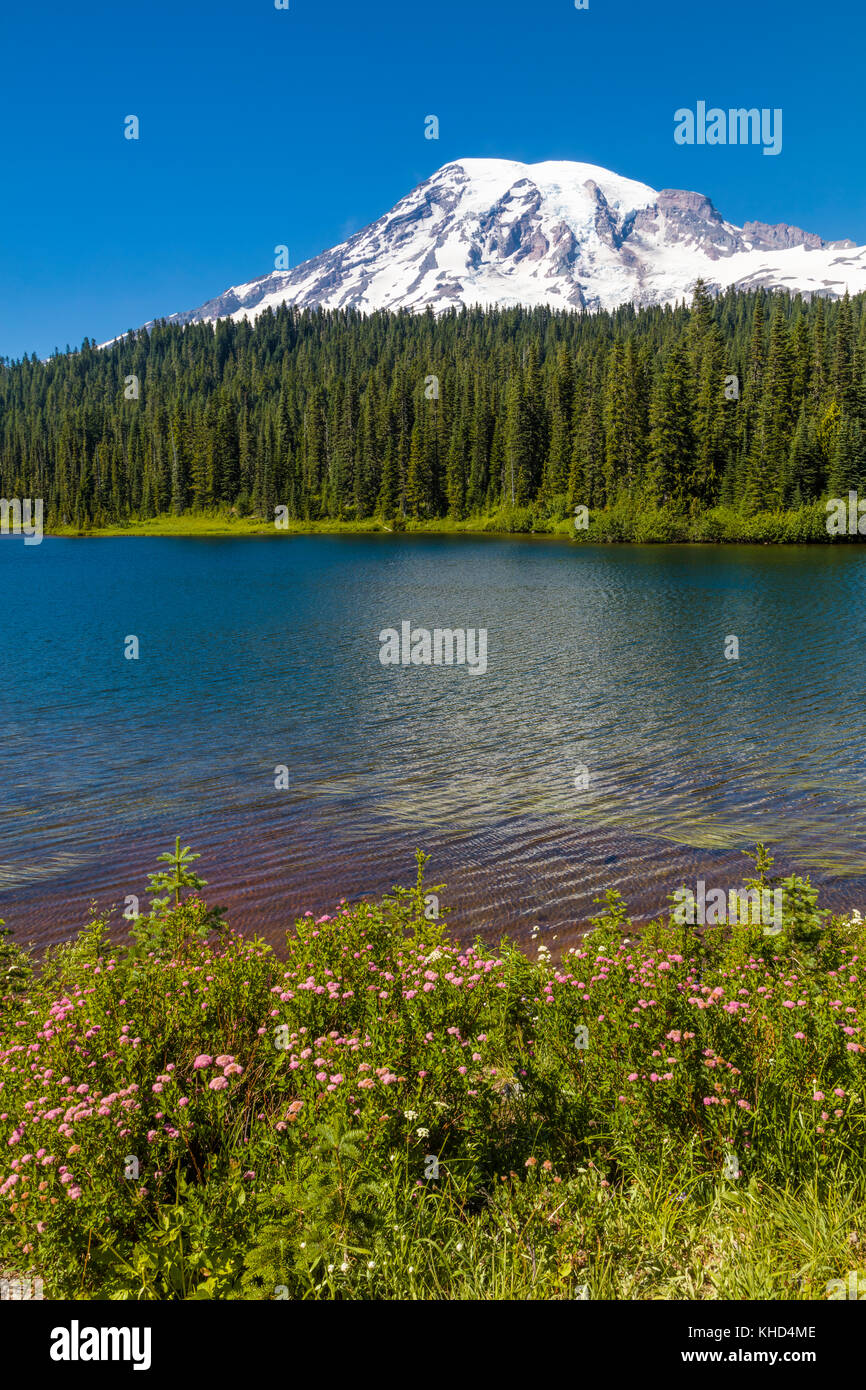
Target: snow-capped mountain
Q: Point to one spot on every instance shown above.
(573, 236)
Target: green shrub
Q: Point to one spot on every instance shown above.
(386, 1113)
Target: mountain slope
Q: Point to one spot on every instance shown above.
(573, 236)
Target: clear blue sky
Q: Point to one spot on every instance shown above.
(261, 126)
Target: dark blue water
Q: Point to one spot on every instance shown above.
(263, 652)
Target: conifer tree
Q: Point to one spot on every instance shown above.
(416, 490)
(672, 443)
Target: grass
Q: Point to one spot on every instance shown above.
(624, 523)
(380, 1112)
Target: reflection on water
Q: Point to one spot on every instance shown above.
(263, 652)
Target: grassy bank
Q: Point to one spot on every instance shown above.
(381, 1113)
(624, 523)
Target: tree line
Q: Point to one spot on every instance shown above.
(753, 400)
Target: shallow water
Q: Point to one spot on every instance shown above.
(263, 652)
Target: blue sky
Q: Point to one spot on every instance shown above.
(262, 127)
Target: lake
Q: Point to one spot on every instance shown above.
(264, 653)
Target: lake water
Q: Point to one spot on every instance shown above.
(264, 652)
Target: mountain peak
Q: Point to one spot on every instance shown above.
(561, 233)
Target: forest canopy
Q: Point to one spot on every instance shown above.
(755, 401)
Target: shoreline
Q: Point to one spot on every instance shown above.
(620, 525)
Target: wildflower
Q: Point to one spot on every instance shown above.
(219, 1083)
(423, 1133)
(203, 1060)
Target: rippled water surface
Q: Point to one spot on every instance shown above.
(259, 652)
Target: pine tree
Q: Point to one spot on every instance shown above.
(752, 388)
(616, 450)
(672, 442)
(388, 501)
(847, 464)
(771, 442)
(559, 450)
(803, 463)
(518, 443)
(818, 375)
(416, 489)
(710, 422)
(843, 361)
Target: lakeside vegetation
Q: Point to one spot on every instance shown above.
(384, 1113)
(618, 524)
(731, 419)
